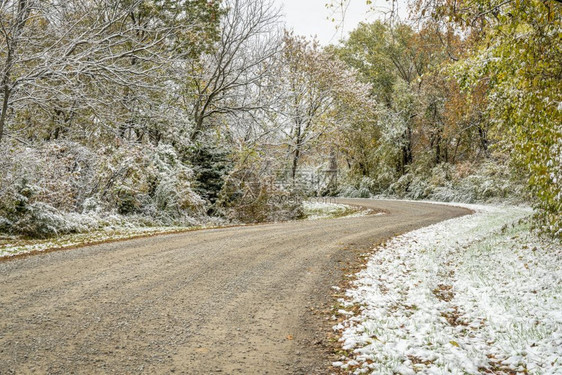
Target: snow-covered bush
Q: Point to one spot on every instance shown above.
(401, 187)
(211, 165)
(35, 185)
(68, 172)
(26, 201)
(59, 173)
(39, 219)
(171, 181)
(463, 182)
(64, 187)
(148, 180)
(363, 189)
(15, 198)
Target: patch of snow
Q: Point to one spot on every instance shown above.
(13, 245)
(362, 213)
(315, 210)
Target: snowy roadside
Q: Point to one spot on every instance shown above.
(476, 294)
(324, 209)
(13, 245)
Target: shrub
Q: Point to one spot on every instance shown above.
(250, 198)
(464, 182)
(150, 181)
(63, 187)
(363, 189)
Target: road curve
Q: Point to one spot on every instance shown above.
(235, 300)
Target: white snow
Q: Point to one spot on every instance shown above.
(321, 209)
(476, 294)
(324, 209)
(118, 230)
(14, 245)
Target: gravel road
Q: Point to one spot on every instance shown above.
(243, 300)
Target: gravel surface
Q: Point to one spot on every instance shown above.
(245, 300)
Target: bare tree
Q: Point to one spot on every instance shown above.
(230, 78)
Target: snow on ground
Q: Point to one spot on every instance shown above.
(323, 209)
(327, 209)
(14, 245)
(472, 295)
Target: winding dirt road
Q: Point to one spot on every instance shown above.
(244, 300)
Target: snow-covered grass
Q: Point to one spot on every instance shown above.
(17, 245)
(325, 209)
(476, 294)
(320, 209)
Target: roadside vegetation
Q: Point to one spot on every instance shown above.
(150, 114)
(17, 245)
(118, 230)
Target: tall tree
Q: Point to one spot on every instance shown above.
(226, 80)
(393, 61)
(517, 55)
(321, 95)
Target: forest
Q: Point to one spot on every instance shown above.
(179, 113)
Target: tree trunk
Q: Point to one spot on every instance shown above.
(333, 171)
(296, 158)
(21, 19)
(483, 135)
(407, 157)
(297, 152)
(5, 101)
(197, 129)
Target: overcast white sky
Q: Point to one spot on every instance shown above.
(311, 17)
